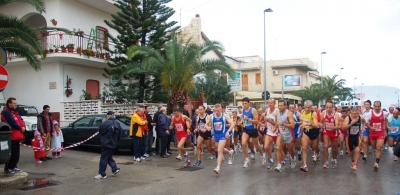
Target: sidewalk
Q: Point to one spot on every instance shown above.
(7, 180)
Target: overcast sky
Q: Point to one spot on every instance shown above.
(362, 36)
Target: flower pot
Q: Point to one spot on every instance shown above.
(47, 51)
(101, 56)
(76, 34)
(79, 51)
(92, 54)
(64, 50)
(69, 83)
(97, 55)
(54, 23)
(70, 49)
(56, 50)
(51, 50)
(108, 101)
(107, 56)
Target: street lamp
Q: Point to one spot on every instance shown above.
(322, 80)
(354, 88)
(398, 99)
(362, 95)
(265, 62)
(341, 73)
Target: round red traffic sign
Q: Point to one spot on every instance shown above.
(3, 77)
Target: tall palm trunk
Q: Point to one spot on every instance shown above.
(177, 99)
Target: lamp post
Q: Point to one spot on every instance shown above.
(341, 73)
(354, 88)
(398, 98)
(362, 95)
(322, 79)
(265, 61)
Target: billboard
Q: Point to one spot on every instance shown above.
(236, 85)
(292, 80)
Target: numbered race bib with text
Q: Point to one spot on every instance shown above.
(377, 126)
(394, 130)
(354, 130)
(218, 126)
(179, 127)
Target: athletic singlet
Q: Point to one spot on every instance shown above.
(329, 121)
(271, 116)
(218, 124)
(394, 125)
(356, 127)
(235, 119)
(378, 122)
(262, 120)
(202, 122)
(307, 118)
(296, 120)
(180, 124)
(247, 124)
(284, 131)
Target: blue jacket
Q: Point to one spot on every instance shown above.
(110, 132)
(163, 124)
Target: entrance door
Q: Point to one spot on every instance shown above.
(93, 87)
(245, 82)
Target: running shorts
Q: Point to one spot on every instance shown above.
(179, 136)
(366, 132)
(251, 133)
(333, 135)
(353, 141)
(394, 136)
(312, 133)
(273, 137)
(288, 139)
(219, 136)
(297, 133)
(206, 135)
(343, 132)
(376, 136)
(237, 133)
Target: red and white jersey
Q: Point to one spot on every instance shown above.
(329, 121)
(272, 116)
(378, 122)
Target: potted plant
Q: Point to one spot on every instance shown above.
(107, 56)
(85, 95)
(70, 48)
(51, 50)
(68, 92)
(54, 22)
(79, 50)
(63, 49)
(69, 81)
(55, 48)
(80, 32)
(97, 54)
(101, 55)
(45, 33)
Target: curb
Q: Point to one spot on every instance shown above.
(17, 178)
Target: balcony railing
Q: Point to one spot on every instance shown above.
(53, 42)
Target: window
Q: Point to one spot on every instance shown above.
(102, 39)
(124, 120)
(83, 122)
(258, 78)
(98, 120)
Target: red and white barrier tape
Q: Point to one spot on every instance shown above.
(70, 146)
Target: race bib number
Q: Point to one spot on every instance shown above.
(179, 127)
(394, 130)
(307, 122)
(248, 123)
(377, 126)
(329, 126)
(283, 129)
(218, 126)
(202, 126)
(354, 130)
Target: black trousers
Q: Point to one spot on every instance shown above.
(164, 142)
(12, 163)
(170, 138)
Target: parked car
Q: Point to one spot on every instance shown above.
(86, 126)
(29, 115)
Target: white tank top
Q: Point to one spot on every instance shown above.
(271, 116)
(284, 131)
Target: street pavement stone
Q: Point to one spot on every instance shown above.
(74, 172)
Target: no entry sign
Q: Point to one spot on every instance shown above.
(3, 77)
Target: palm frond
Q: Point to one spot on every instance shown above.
(24, 51)
(38, 4)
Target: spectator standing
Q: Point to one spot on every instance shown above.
(45, 127)
(39, 150)
(56, 140)
(110, 135)
(154, 123)
(148, 137)
(136, 132)
(164, 131)
(10, 116)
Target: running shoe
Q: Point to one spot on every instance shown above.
(354, 167)
(179, 157)
(187, 157)
(334, 163)
(318, 159)
(116, 171)
(376, 166)
(278, 168)
(231, 154)
(146, 155)
(386, 147)
(212, 157)
(271, 164)
(230, 162)
(396, 158)
(263, 161)
(341, 153)
(16, 170)
(197, 163)
(286, 157)
(293, 163)
(99, 176)
(326, 165)
(187, 164)
(252, 156)
(283, 163)
(216, 170)
(314, 159)
(304, 168)
(240, 150)
(137, 159)
(364, 158)
(246, 163)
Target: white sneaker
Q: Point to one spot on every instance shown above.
(179, 157)
(396, 158)
(99, 177)
(341, 153)
(246, 163)
(146, 155)
(55, 157)
(252, 156)
(263, 161)
(59, 156)
(293, 163)
(230, 161)
(142, 158)
(334, 163)
(212, 157)
(137, 159)
(38, 162)
(278, 168)
(231, 156)
(216, 170)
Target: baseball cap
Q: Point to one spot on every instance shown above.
(110, 113)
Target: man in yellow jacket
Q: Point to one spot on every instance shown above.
(136, 133)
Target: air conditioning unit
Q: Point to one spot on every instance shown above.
(275, 72)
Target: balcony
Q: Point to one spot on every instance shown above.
(83, 46)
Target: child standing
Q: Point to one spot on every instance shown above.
(39, 149)
(56, 140)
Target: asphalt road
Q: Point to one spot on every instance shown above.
(74, 172)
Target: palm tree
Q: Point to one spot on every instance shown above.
(313, 93)
(16, 36)
(330, 86)
(179, 65)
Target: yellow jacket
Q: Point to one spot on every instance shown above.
(136, 126)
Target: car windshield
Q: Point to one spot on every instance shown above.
(125, 120)
(27, 111)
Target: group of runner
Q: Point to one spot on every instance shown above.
(286, 130)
